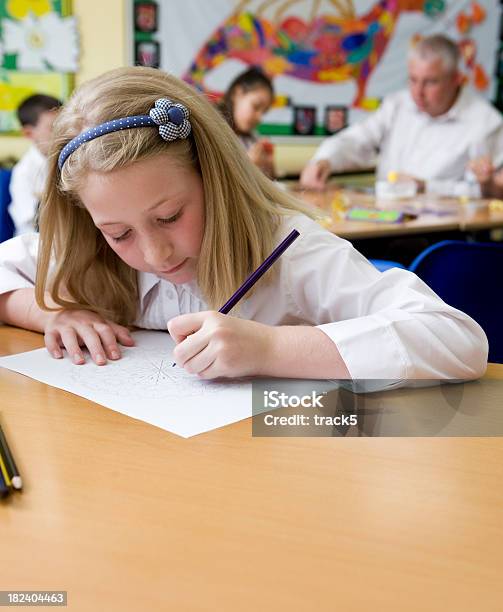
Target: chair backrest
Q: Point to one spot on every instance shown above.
(385, 264)
(468, 276)
(6, 224)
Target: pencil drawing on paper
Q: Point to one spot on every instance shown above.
(143, 373)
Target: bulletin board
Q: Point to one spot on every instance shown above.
(331, 61)
(39, 52)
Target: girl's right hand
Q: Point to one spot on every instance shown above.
(73, 329)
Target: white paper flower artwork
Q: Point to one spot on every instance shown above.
(39, 53)
(40, 44)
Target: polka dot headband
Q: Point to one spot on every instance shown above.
(172, 119)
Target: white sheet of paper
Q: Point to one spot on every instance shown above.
(144, 385)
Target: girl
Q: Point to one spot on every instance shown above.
(247, 99)
(153, 214)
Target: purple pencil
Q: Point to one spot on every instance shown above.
(259, 272)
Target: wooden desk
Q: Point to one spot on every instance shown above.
(125, 516)
(460, 216)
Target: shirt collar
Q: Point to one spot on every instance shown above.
(147, 281)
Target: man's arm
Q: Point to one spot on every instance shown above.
(353, 148)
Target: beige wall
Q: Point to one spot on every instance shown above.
(102, 32)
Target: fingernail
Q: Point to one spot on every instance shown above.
(100, 358)
(115, 354)
(57, 355)
(77, 358)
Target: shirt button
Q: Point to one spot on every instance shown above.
(169, 294)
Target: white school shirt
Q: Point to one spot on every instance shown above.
(26, 187)
(386, 325)
(409, 141)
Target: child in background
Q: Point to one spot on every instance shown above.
(36, 115)
(247, 99)
(153, 215)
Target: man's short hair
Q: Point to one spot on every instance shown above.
(31, 108)
(437, 46)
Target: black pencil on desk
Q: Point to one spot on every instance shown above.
(4, 471)
(4, 489)
(9, 462)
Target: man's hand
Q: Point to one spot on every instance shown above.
(420, 184)
(315, 174)
(482, 168)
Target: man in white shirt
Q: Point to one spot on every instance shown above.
(428, 132)
(36, 115)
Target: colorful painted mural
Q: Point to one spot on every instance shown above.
(337, 45)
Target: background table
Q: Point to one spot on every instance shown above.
(125, 516)
(449, 214)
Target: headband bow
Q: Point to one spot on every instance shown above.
(172, 119)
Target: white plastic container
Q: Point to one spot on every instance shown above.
(396, 190)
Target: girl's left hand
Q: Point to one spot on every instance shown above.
(214, 345)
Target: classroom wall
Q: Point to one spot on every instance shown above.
(104, 45)
(102, 31)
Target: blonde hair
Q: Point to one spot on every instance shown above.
(242, 207)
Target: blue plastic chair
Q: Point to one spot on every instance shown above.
(6, 224)
(468, 276)
(384, 264)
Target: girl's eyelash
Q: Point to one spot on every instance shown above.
(122, 237)
(171, 219)
(166, 221)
